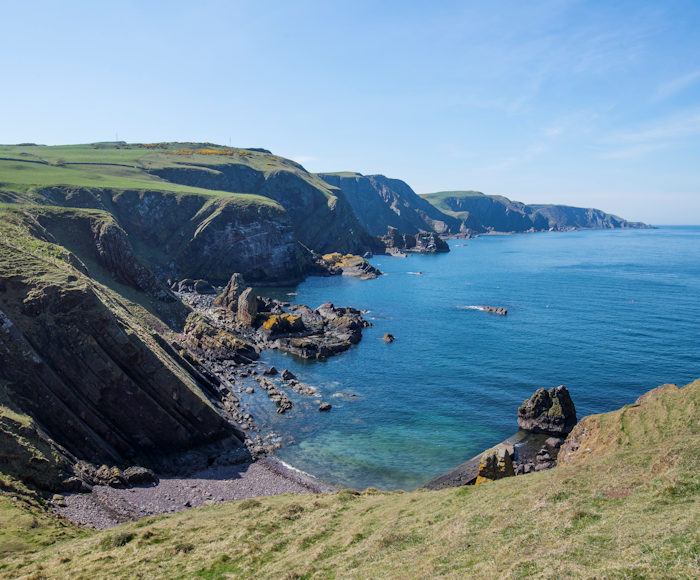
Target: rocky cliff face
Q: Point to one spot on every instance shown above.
(379, 202)
(195, 236)
(478, 213)
(322, 218)
(78, 358)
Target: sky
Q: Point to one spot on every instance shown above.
(594, 104)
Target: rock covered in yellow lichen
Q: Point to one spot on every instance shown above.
(495, 464)
(280, 323)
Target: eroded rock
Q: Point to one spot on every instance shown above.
(231, 293)
(548, 411)
(247, 307)
(495, 464)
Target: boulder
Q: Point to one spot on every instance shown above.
(495, 464)
(229, 297)
(288, 375)
(325, 407)
(388, 337)
(272, 371)
(137, 475)
(548, 411)
(247, 307)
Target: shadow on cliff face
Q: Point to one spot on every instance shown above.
(81, 361)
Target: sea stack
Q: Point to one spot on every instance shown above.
(548, 411)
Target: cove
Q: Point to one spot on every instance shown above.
(610, 314)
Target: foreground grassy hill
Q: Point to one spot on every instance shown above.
(625, 504)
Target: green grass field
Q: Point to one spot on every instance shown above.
(26, 169)
(438, 200)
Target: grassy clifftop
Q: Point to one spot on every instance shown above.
(624, 506)
(321, 216)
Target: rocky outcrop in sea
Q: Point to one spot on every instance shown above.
(544, 419)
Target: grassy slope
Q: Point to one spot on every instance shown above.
(25, 169)
(627, 509)
(438, 200)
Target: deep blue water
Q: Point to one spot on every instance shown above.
(610, 314)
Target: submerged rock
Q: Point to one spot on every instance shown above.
(493, 310)
(548, 411)
(325, 407)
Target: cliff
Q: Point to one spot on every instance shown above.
(195, 210)
(380, 202)
(79, 353)
(479, 213)
(321, 216)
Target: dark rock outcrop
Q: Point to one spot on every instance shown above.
(422, 242)
(548, 411)
(231, 293)
(349, 265)
(329, 330)
(276, 395)
(530, 449)
(208, 342)
(193, 286)
(247, 307)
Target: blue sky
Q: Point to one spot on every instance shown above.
(584, 103)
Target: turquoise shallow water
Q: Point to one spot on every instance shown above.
(609, 314)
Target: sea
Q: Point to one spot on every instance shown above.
(610, 314)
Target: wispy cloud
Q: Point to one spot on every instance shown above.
(678, 126)
(660, 134)
(675, 86)
(633, 151)
(553, 132)
(525, 156)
